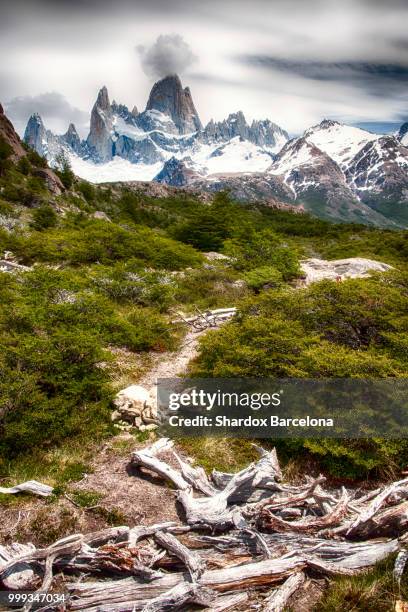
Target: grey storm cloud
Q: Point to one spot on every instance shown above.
(169, 54)
(375, 78)
(52, 106)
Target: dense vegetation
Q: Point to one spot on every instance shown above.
(110, 265)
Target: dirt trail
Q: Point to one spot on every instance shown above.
(172, 363)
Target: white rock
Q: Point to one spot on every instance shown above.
(99, 214)
(132, 399)
(214, 256)
(339, 269)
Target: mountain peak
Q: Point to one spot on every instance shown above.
(100, 138)
(168, 97)
(72, 129)
(328, 123)
(35, 133)
(102, 101)
(72, 138)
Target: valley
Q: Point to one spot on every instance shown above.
(91, 281)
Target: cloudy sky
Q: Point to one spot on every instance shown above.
(293, 61)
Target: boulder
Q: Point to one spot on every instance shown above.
(132, 401)
(339, 269)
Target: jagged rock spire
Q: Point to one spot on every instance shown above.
(100, 134)
(169, 97)
(35, 134)
(72, 138)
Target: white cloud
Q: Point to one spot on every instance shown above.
(77, 49)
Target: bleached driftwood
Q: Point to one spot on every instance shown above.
(230, 543)
(147, 458)
(31, 486)
(181, 595)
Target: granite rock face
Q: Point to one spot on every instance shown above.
(100, 141)
(339, 269)
(35, 134)
(72, 139)
(262, 133)
(177, 172)
(169, 97)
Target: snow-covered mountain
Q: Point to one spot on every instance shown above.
(334, 170)
(136, 146)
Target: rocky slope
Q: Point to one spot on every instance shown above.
(9, 135)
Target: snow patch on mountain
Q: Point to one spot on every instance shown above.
(237, 155)
(341, 142)
(117, 170)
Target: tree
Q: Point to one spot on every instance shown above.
(64, 171)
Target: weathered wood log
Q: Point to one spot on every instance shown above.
(147, 458)
(137, 533)
(67, 546)
(112, 534)
(31, 486)
(194, 564)
(46, 583)
(293, 500)
(268, 521)
(267, 473)
(181, 595)
(350, 555)
(278, 599)
(223, 603)
(196, 477)
(212, 512)
(302, 518)
(391, 522)
(394, 492)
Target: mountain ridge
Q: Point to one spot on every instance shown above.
(335, 171)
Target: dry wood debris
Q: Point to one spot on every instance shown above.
(241, 534)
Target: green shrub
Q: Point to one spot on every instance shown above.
(24, 165)
(265, 275)
(93, 240)
(87, 190)
(64, 171)
(44, 217)
(353, 329)
(36, 160)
